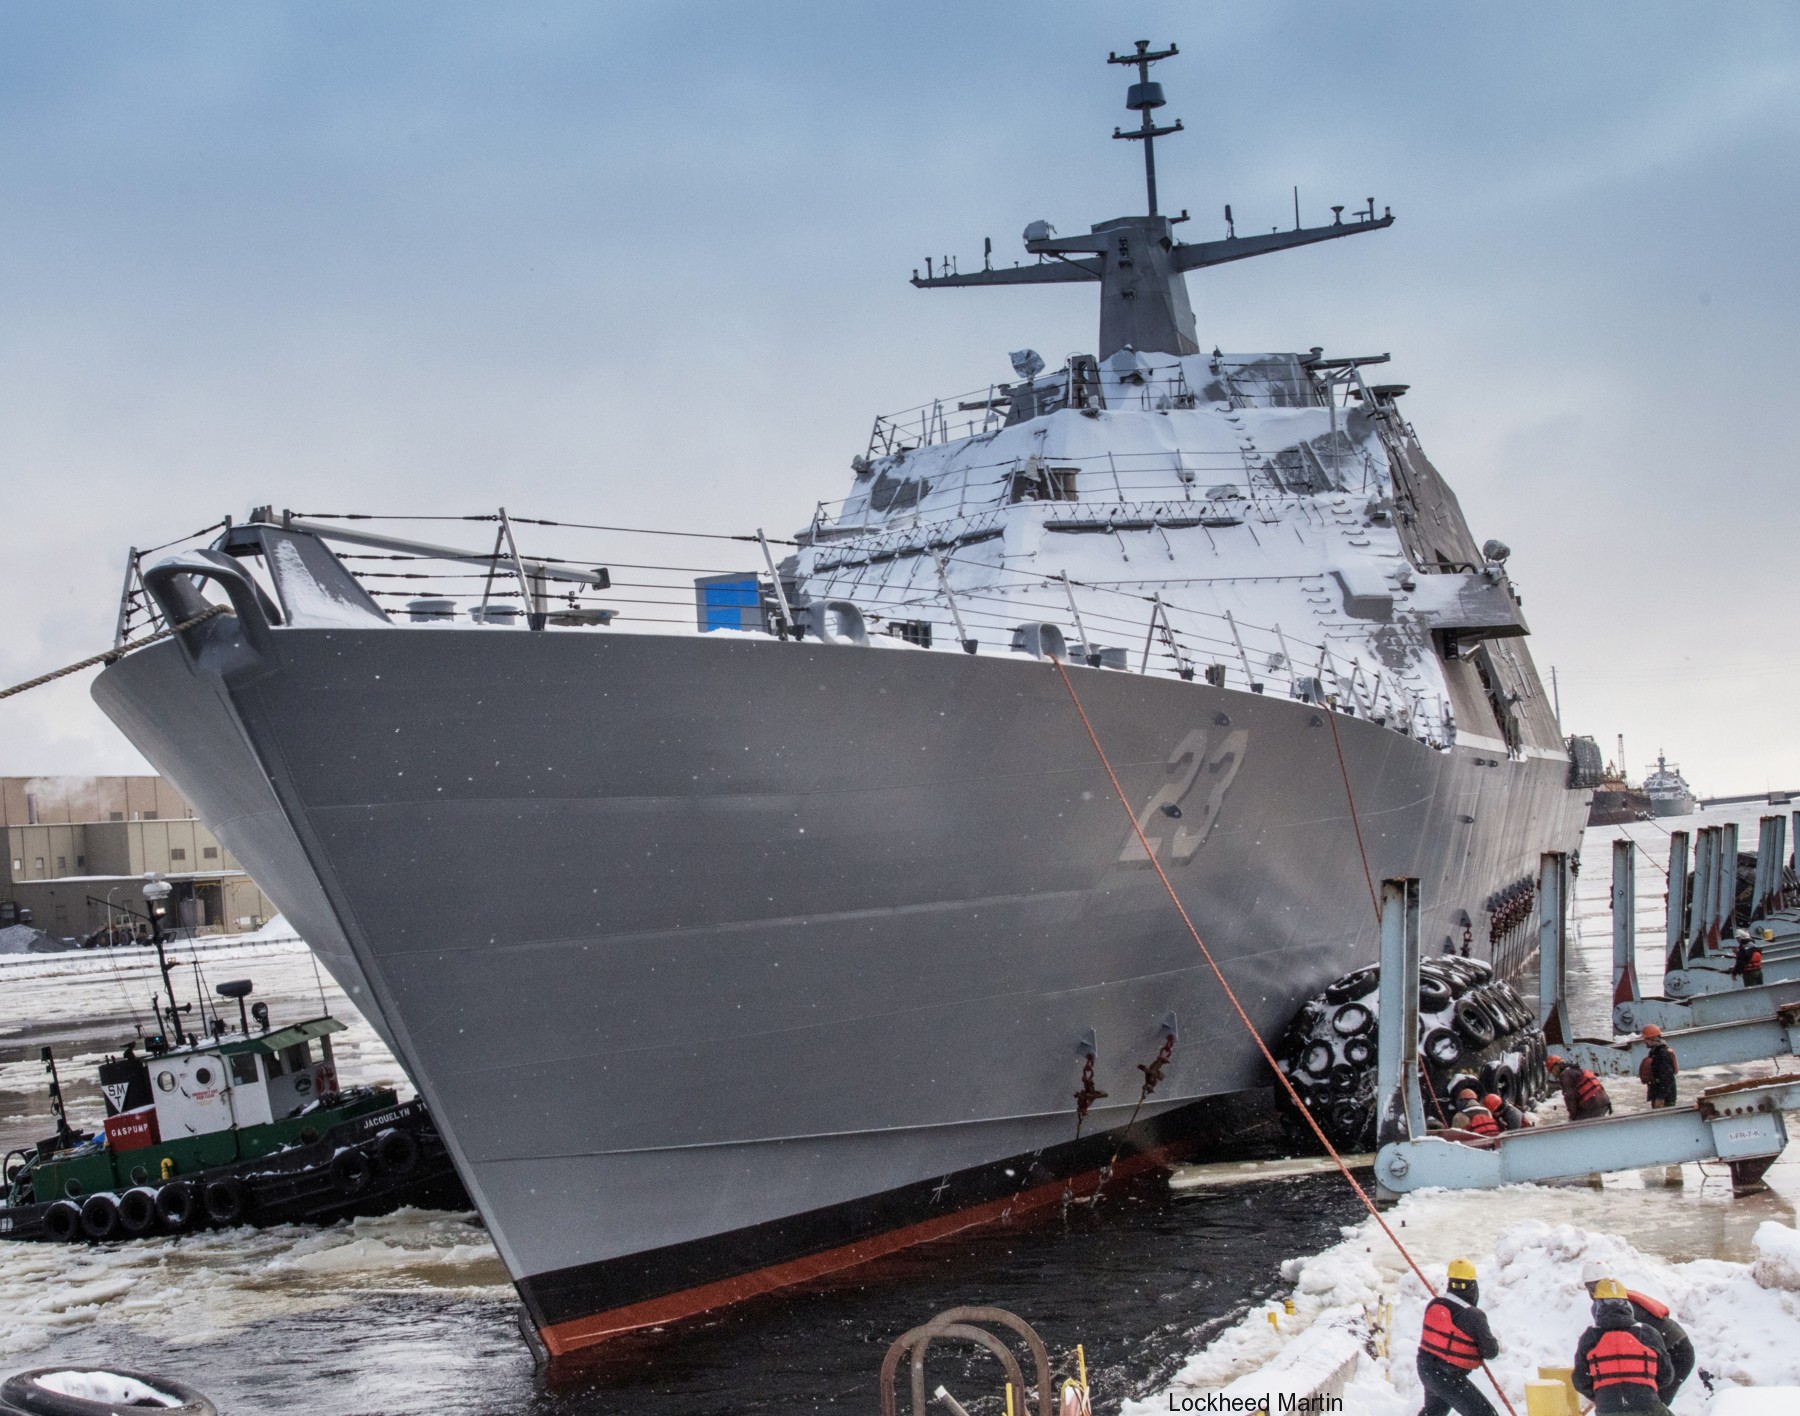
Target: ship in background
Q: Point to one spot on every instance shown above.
(1616, 801)
(1669, 793)
(729, 957)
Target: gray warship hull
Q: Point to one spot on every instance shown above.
(725, 961)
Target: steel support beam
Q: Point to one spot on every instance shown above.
(1624, 921)
(1732, 1123)
(1675, 925)
(1715, 1045)
(1402, 1113)
(1553, 941)
(1725, 911)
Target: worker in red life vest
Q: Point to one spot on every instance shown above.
(1454, 1342)
(1582, 1093)
(1471, 1115)
(1620, 1365)
(1747, 963)
(1658, 1069)
(1503, 1111)
(1654, 1315)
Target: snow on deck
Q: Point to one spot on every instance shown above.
(1266, 531)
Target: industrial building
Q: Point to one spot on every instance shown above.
(78, 849)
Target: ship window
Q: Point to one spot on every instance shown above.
(115, 816)
(272, 1061)
(243, 1069)
(81, 862)
(203, 1075)
(62, 865)
(298, 1057)
(40, 863)
(165, 1081)
(178, 853)
(912, 631)
(209, 852)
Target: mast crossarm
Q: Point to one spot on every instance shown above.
(1238, 248)
(1044, 273)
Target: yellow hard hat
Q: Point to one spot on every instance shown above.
(1462, 1271)
(1608, 1288)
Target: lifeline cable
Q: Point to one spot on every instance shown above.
(111, 654)
(1243, 1017)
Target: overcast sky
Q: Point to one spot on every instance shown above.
(631, 263)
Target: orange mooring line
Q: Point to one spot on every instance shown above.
(1238, 1008)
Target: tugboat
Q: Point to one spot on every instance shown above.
(226, 1127)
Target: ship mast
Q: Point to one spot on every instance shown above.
(1144, 97)
(1139, 264)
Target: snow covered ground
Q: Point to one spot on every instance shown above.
(1358, 1303)
(1729, 1268)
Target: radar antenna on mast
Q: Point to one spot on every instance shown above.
(1136, 260)
(1144, 97)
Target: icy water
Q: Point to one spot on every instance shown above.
(412, 1313)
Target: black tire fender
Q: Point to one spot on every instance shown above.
(176, 1205)
(100, 1216)
(1473, 1023)
(24, 1394)
(1359, 1051)
(398, 1152)
(351, 1171)
(1346, 1120)
(137, 1211)
(227, 1201)
(1435, 995)
(1316, 1060)
(1344, 1078)
(1352, 1020)
(62, 1221)
(1442, 1047)
(1354, 985)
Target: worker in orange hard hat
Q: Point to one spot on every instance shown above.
(1657, 1070)
(1582, 1093)
(1455, 1341)
(1471, 1115)
(1503, 1111)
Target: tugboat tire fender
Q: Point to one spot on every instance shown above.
(137, 1211)
(99, 1216)
(24, 1393)
(62, 1222)
(397, 1151)
(227, 1202)
(175, 1205)
(351, 1171)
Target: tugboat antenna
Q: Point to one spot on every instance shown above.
(1143, 97)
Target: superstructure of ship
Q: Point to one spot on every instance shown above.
(729, 956)
(1669, 793)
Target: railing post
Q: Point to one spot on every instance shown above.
(1675, 921)
(1402, 1113)
(1553, 874)
(1624, 913)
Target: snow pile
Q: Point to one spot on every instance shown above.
(1777, 1257)
(1744, 1319)
(24, 939)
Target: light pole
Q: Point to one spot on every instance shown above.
(156, 893)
